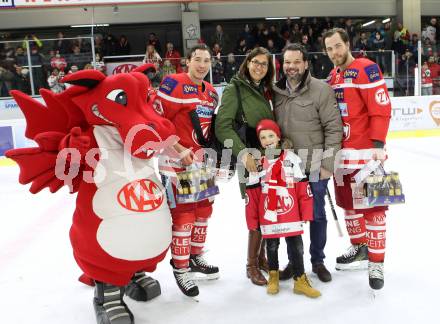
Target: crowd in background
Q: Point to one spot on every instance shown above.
(52, 60)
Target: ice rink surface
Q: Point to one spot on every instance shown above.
(38, 276)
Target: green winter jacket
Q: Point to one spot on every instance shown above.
(255, 107)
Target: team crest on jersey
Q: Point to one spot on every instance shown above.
(157, 106)
(372, 72)
(168, 85)
(189, 89)
(339, 94)
(381, 97)
(284, 204)
(351, 73)
(204, 112)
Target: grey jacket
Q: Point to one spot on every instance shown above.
(309, 117)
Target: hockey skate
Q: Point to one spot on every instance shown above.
(142, 287)
(109, 305)
(184, 282)
(375, 275)
(356, 258)
(201, 270)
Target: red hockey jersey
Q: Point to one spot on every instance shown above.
(363, 100)
(178, 97)
(292, 206)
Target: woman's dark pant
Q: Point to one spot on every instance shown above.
(295, 250)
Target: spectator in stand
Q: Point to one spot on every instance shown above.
(37, 67)
(123, 46)
(434, 67)
(7, 78)
(427, 49)
(88, 66)
(271, 47)
(218, 76)
(414, 44)
(401, 39)
(241, 49)
(168, 67)
(378, 46)
(305, 42)
(431, 31)
(172, 55)
(34, 42)
(295, 36)
(57, 61)
(84, 45)
(221, 38)
(54, 81)
(99, 44)
(77, 58)
(61, 45)
(20, 56)
(216, 50)
(155, 75)
(276, 38)
(231, 67)
(182, 66)
(287, 26)
(23, 82)
(99, 64)
(248, 38)
(362, 43)
(262, 37)
(350, 29)
(109, 48)
(426, 80)
(154, 40)
(151, 55)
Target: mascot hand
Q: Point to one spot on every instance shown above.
(76, 139)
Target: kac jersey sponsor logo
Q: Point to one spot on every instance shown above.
(189, 89)
(346, 131)
(204, 112)
(351, 73)
(168, 85)
(141, 196)
(372, 72)
(214, 97)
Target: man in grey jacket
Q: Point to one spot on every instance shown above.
(307, 113)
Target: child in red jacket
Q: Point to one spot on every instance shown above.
(286, 203)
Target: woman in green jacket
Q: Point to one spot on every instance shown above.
(253, 84)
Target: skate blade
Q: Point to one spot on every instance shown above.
(354, 266)
(197, 276)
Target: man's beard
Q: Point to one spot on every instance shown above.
(297, 77)
(343, 60)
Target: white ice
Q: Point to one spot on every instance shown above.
(38, 276)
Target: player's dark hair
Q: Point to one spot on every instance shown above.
(201, 47)
(297, 47)
(331, 32)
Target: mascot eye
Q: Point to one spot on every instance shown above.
(119, 96)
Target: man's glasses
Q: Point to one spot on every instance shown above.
(263, 65)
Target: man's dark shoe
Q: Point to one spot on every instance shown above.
(287, 273)
(321, 271)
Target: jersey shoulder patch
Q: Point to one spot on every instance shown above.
(373, 73)
(168, 85)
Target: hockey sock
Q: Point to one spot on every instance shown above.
(181, 245)
(355, 224)
(376, 235)
(198, 235)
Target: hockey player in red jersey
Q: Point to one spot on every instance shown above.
(285, 203)
(365, 108)
(186, 99)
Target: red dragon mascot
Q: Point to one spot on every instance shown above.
(98, 138)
